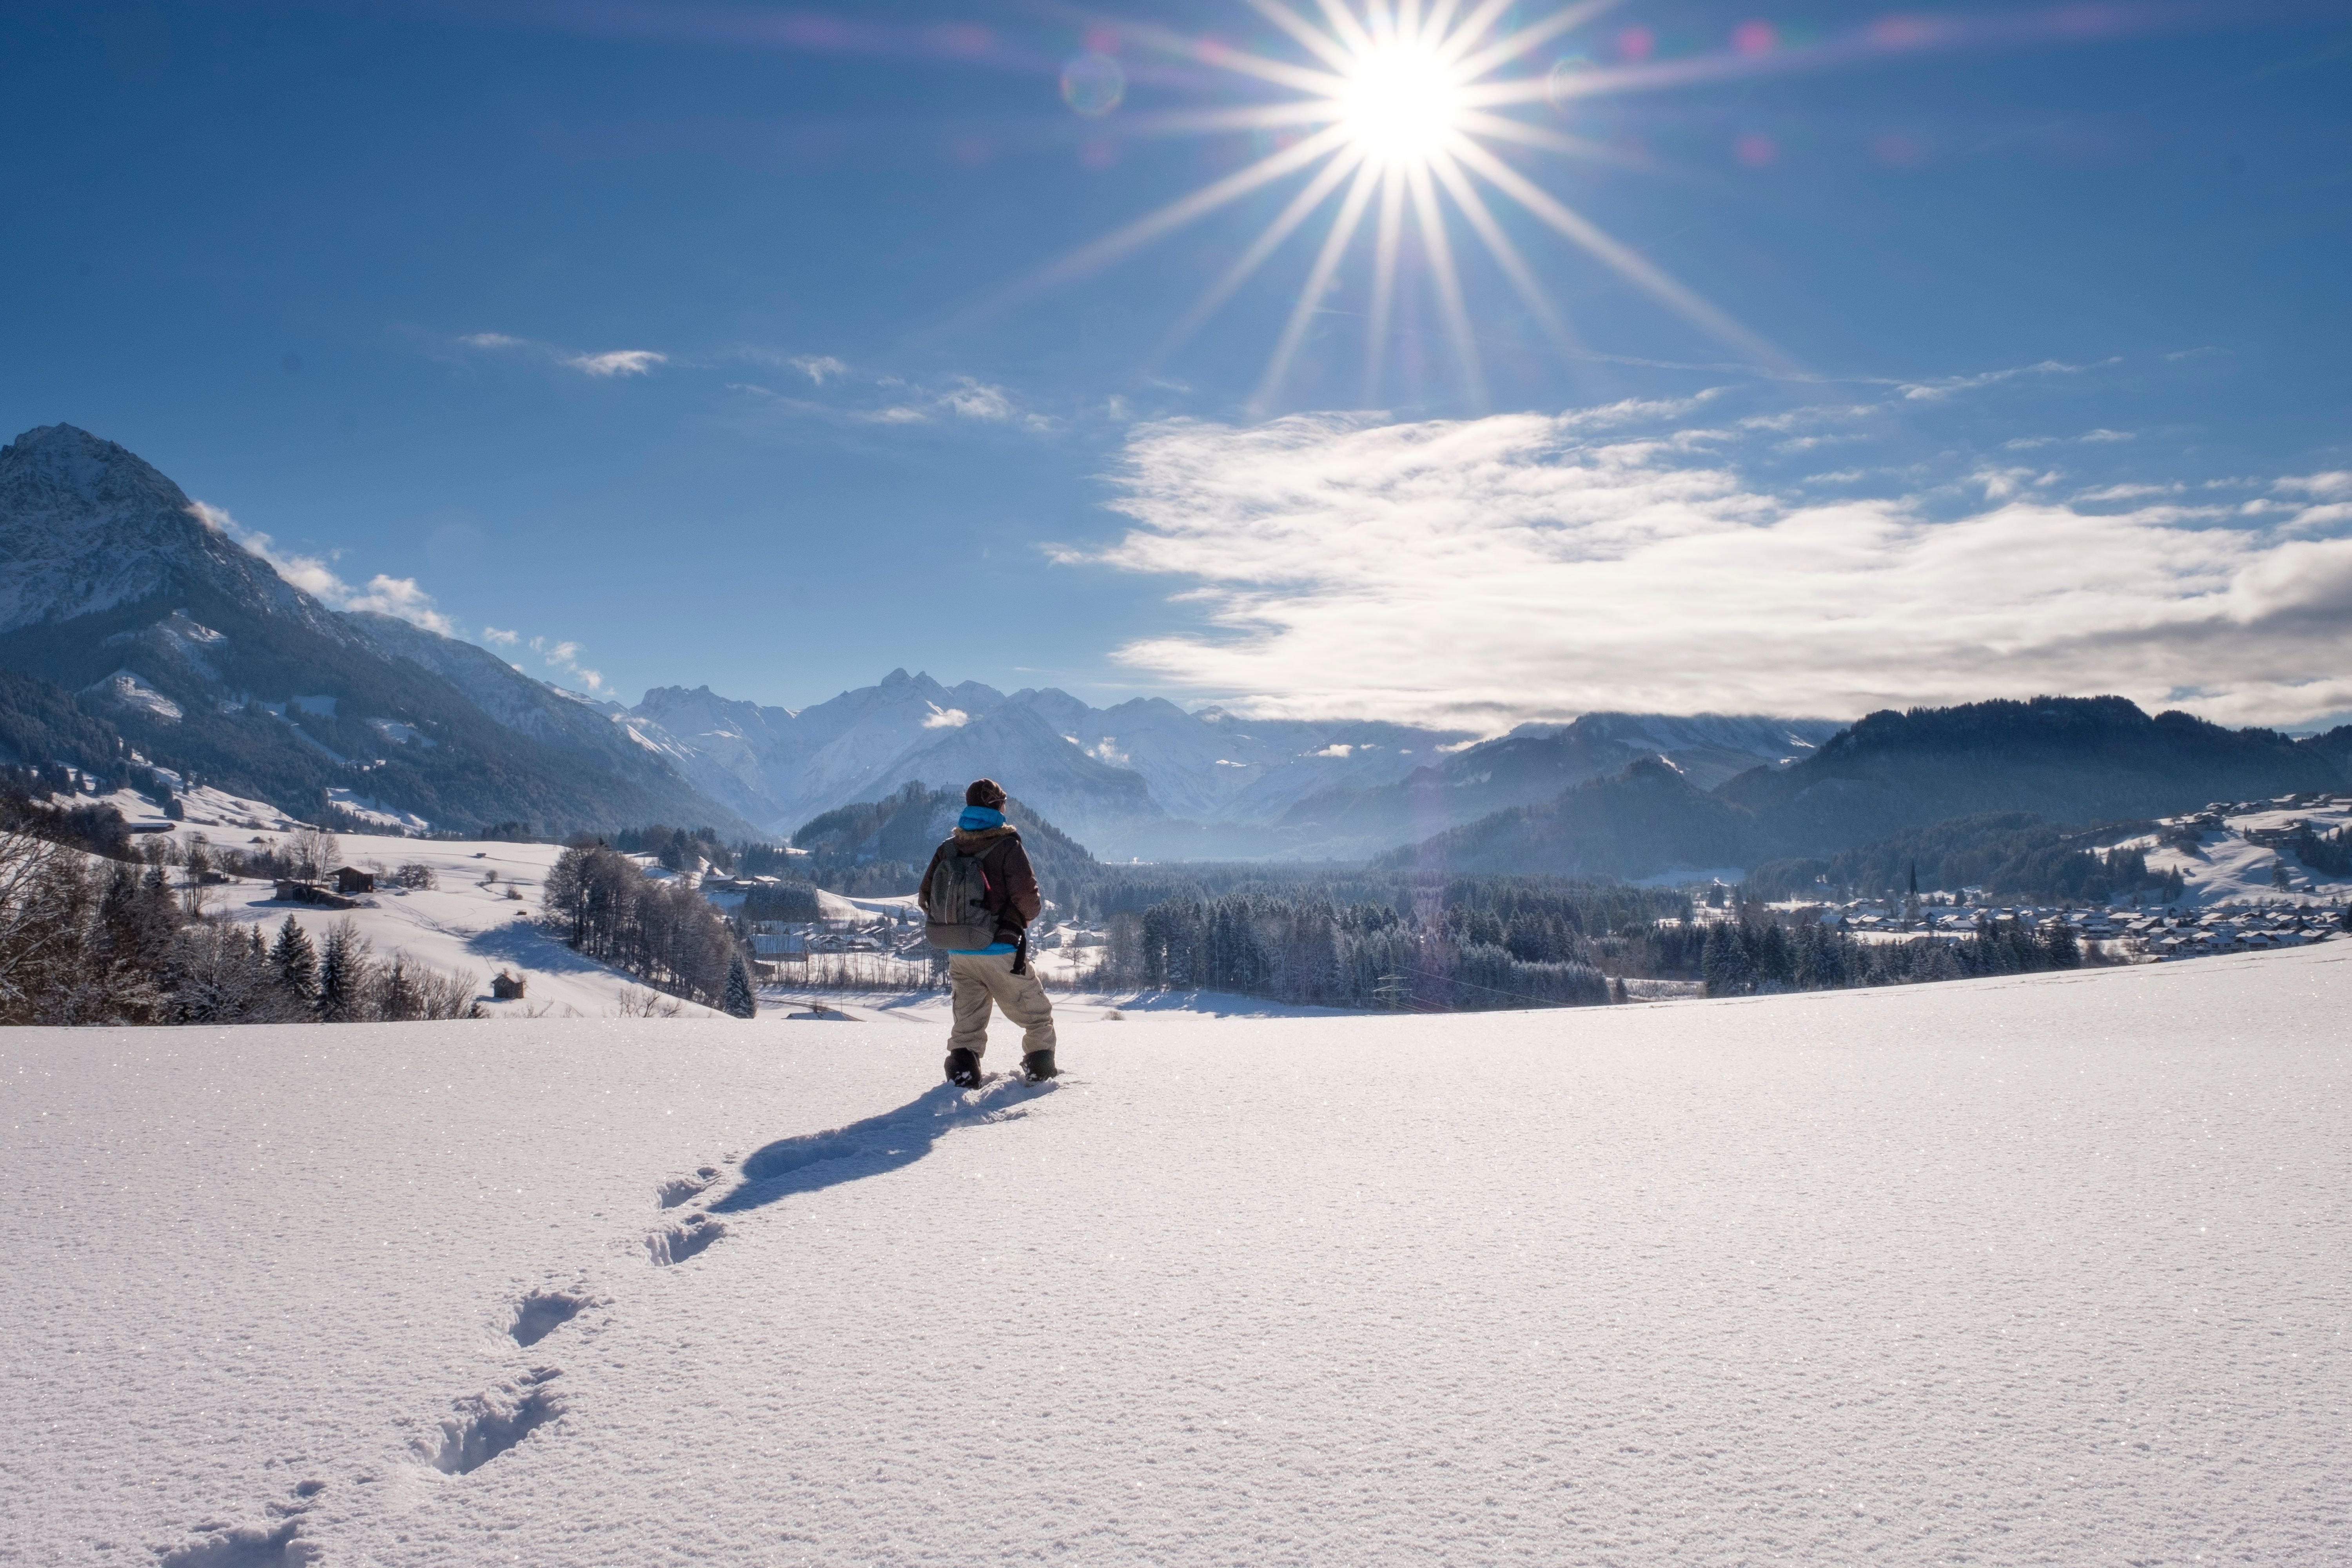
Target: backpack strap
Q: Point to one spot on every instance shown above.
(992, 863)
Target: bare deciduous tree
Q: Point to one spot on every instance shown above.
(314, 852)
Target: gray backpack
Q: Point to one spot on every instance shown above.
(957, 907)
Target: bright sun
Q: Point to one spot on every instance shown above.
(1402, 103)
(1397, 112)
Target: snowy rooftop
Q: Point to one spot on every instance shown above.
(2046, 1270)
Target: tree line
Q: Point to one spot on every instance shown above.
(2328, 853)
(1315, 950)
(666, 933)
(85, 939)
(1521, 945)
(1749, 954)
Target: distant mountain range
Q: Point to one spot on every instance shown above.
(129, 624)
(2064, 760)
(124, 605)
(1146, 778)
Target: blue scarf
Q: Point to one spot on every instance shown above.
(979, 819)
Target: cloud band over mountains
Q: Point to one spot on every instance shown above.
(1530, 565)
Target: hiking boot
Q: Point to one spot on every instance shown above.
(1038, 1066)
(963, 1069)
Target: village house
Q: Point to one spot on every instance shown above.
(290, 891)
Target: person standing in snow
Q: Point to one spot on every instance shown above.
(979, 896)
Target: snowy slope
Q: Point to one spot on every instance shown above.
(2003, 1272)
(114, 583)
(85, 527)
(2227, 866)
(464, 925)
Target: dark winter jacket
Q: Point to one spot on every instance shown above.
(1012, 895)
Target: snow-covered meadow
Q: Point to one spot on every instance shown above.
(2037, 1270)
(2227, 866)
(464, 925)
(480, 919)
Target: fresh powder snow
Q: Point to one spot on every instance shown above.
(2046, 1270)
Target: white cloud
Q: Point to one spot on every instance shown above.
(909, 403)
(2089, 438)
(387, 595)
(401, 597)
(2329, 516)
(2129, 492)
(971, 399)
(2001, 484)
(619, 362)
(1803, 419)
(504, 639)
(1496, 569)
(1931, 391)
(608, 366)
(565, 657)
(945, 718)
(2320, 486)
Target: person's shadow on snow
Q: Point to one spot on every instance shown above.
(890, 1142)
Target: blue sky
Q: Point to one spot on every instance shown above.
(706, 343)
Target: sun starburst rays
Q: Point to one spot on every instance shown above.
(1393, 113)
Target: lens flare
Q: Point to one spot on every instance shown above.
(1094, 84)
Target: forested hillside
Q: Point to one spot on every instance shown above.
(2066, 761)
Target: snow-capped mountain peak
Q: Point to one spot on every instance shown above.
(86, 526)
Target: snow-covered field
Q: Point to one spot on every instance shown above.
(2039, 1270)
(465, 925)
(2227, 868)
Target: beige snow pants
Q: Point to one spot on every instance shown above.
(977, 979)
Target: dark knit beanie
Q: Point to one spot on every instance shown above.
(985, 792)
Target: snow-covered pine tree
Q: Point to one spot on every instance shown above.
(296, 960)
(743, 1001)
(395, 999)
(342, 978)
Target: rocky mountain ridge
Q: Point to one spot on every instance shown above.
(119, 589)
